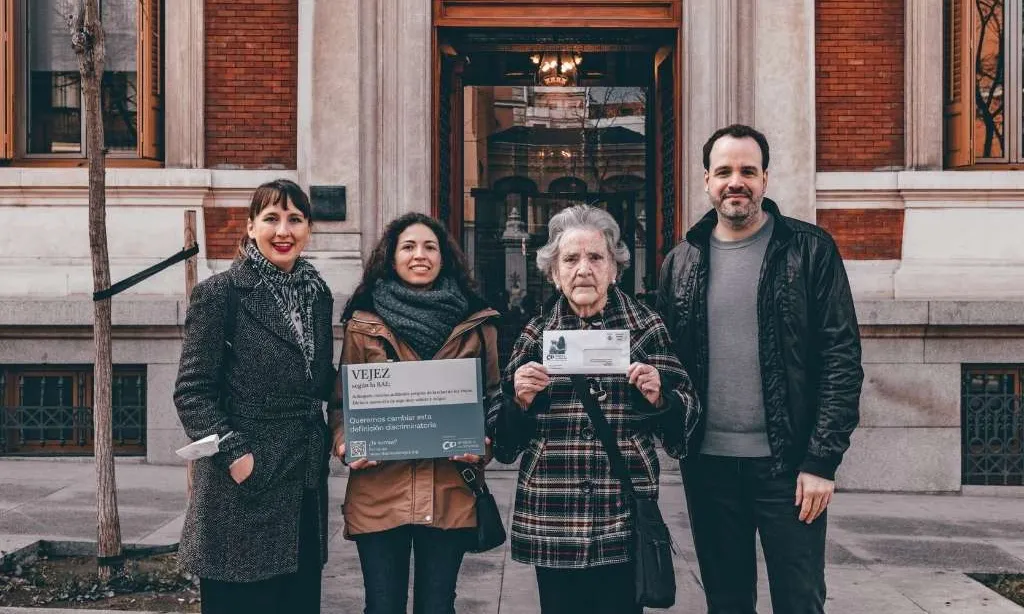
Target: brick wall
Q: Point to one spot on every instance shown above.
(251, 78)
(224, 227)
(865, 234)
(859, 63)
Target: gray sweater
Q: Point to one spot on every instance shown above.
(736, 416)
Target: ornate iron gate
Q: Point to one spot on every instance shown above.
(993, 426)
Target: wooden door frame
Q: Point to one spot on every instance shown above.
(523, 14)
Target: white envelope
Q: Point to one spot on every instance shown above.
(201, 448)
(588, 352)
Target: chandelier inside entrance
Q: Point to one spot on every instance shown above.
(557, 68)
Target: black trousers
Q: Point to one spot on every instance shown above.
(729, 499)
(294, 593)
(606, 589)
(384, 558)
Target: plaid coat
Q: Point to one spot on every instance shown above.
(569, 509)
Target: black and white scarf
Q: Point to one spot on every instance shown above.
(295, 292)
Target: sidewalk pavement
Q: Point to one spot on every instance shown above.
(887, 553)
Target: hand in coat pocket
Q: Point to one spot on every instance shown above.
(242, 468)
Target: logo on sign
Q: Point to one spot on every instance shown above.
(557, 348)
(448, 445)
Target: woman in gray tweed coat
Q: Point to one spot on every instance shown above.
(571, 519)
(256, 366)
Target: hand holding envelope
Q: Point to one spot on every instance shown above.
(587, 352)
(648, 381)
(528, 381)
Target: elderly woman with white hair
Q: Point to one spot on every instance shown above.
(571, 519)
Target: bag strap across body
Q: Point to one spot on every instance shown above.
(604, 433)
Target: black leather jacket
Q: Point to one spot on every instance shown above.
(809, 343)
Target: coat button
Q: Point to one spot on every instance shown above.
(427, 518)
(587, 487)
(588, 433)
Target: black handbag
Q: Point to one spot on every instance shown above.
(655, 576)
(490, 531)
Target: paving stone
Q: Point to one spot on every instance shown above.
(891, 553)
(949, 555)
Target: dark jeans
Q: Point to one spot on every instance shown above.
(384, 557)
(297, 593)
(606, 589)
(728, 500)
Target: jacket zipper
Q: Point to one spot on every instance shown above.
(775, 249)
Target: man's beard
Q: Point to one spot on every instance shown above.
(738, 217)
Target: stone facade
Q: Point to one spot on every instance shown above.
(934, 256)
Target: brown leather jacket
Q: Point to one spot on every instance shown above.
(423, 492)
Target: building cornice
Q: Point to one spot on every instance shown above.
(41, 187)
(920, 190)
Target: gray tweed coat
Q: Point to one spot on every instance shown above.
(249, 532)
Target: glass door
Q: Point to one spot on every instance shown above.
(528, 129)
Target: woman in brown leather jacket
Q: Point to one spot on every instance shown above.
(416, 301)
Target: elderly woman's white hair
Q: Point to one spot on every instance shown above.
(582, 217)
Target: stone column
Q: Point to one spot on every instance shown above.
(718, 87)
(184, 52)
(784, 100)
(395, 46)
(405, 70)
(329, 146)
(923, 90)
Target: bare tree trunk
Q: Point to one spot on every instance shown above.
(87, 39)
(191, 277)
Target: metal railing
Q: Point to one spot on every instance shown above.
(63, 430)
(993, 438)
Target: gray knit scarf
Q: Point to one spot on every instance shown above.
(422, 318)
(294, 292)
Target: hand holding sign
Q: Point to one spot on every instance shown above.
(413, 409)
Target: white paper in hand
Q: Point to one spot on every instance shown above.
(207, 446)
(589, 352)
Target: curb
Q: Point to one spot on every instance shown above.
(32, 552)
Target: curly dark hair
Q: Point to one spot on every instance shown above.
(381, 264)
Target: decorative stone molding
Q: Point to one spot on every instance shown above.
(920, 190)
(184, 49)
(133, 187)
(960, 233)
(923, 91)
(855, 190)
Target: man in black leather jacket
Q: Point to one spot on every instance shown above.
(761, 314)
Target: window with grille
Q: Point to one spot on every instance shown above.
(984, 102)
(48, 411)
(993, 425)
